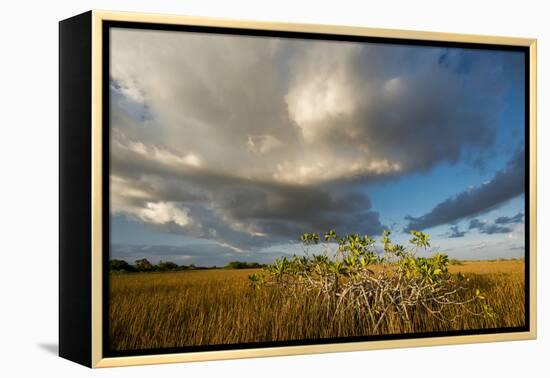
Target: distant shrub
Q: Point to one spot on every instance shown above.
(143, 265)
(242, 265)
(163, 266)
(455, 262)
(120, 266)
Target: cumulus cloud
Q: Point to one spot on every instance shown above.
(263, 143)
(163, 213)
(455, 232)
(379, 117)
(518, 218)
(501, 225)
(507, 183)
(486, 227)
(335, 110)
(248, 141)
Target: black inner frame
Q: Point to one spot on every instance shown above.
(107, 25)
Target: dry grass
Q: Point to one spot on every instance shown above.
(209, 307)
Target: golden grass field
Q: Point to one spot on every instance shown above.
(209, 307)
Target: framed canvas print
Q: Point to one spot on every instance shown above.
(235, 189)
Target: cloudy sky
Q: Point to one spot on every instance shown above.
(228, 147)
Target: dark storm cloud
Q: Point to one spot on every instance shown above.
(505, 185)
(247, 212)
(305, 208)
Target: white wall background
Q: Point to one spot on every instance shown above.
(29, 174)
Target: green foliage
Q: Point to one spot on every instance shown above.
(120, 266)
(242, 265)
(420, 239)
(331, 235)
(143, 265)
(256, 280)
(362, 281)
(309, 239)
(164, 266)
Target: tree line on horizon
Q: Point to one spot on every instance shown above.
(144, 265)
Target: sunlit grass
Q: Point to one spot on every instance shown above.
(209, 307)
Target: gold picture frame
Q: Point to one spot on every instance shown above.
(90, 328)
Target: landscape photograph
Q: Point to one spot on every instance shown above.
(270, 190)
